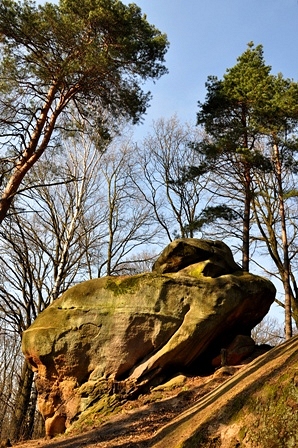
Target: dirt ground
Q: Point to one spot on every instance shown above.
(139, 420)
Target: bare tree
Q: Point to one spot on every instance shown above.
(269, 331)
(275, 210)
(82, 220)
(225, 189)
(129, 227)
(164, 158)
(11, 364)
(41, 254)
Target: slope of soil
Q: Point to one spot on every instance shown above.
(256, 408)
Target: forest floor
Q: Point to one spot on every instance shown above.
(136, 425)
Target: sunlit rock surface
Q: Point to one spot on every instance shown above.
(124, 334)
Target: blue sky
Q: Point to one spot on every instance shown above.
(206, 37)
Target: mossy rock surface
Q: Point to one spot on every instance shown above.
(138, 329)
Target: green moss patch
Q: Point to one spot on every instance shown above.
(103, 409)
(123, 285)
(272, 413)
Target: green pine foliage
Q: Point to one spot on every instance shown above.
(68, 67)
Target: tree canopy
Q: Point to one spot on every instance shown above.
(251, 119)
(85, 59)
(239, 115)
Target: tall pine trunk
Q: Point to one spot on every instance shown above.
(246, 221)
(285, 245)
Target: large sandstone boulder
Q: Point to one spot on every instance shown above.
(118, 334)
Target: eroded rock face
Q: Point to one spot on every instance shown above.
(126, 333)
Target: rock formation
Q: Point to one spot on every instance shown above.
(123, 334)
